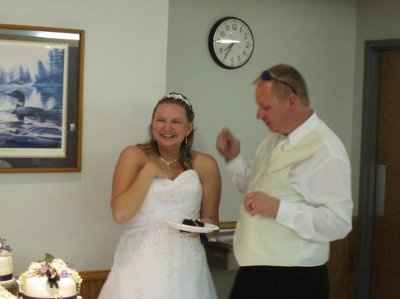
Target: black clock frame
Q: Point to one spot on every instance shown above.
(211, 43)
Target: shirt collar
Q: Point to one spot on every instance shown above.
(311, 123)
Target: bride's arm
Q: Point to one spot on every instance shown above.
(210, 177)
(133, 176)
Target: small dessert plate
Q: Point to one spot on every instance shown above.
(207, 228)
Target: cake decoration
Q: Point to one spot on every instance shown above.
(6, 262)
(5, 249)
(49, 278)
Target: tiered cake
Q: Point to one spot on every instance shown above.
(50, 278)
(4, 294)
(6, 263)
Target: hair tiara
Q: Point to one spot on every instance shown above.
(179, 96)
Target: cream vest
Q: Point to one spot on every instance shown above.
(263, 241)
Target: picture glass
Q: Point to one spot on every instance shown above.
(40, 98)
(32, 99)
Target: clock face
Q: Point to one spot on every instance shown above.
(231, 42)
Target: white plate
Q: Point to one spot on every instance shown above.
(207, 228)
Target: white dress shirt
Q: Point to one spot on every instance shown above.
(324, 180)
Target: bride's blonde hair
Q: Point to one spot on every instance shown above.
(151, 146)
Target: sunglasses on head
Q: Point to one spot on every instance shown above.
(268, 76)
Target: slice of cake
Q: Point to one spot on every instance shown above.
(193, 222)
(50, 278)
(6, 262)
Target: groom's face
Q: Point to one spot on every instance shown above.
(271, 109)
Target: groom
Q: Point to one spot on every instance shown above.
(298, 194)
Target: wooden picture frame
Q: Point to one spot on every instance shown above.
(41, 83)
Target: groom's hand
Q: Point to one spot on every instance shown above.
(260, 203)
(227, 144)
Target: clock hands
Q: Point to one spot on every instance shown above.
(228, 49)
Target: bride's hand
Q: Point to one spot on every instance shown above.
(207, 220)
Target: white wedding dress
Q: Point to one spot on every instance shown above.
(155, 261)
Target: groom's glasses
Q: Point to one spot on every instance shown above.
(268, 76)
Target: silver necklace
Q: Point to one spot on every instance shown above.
(168, 163)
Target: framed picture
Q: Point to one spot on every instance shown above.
(41, 78)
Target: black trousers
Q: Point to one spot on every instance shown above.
(267, 282)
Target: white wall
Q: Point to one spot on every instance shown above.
(376, 20)
(317, 37)
(67, 214)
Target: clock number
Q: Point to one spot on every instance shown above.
(234, 27)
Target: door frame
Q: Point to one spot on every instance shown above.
(367, 200)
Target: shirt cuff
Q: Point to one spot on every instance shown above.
(236, 164)
(285, 214)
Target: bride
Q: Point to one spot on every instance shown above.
(162, 180)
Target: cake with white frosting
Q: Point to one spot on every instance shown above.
(50, 278)
(6, 263)
(4, 294)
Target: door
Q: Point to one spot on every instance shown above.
(386, 253)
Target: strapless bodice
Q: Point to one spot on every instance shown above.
(170, 199)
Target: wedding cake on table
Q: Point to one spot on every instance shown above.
(50, 278)
(6, 263)
(4, 294)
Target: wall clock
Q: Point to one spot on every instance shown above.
(231, 42)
